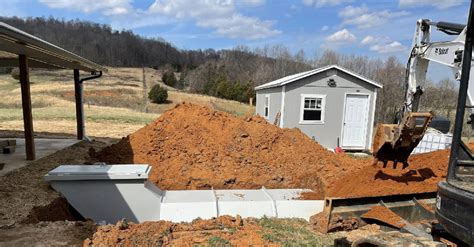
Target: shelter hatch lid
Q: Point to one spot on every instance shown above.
(99, 172)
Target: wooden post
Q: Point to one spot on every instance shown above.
(78, 94)
(26, 104)
(145, 92)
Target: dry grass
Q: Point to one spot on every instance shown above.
(95, 129)
(114, 104)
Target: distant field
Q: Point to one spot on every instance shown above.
(114, 104)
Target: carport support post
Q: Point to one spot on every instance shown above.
(78, 89)
(26, 105)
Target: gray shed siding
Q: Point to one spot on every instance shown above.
(327, 133)
(275, 102)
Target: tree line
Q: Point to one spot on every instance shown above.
(249, 68)
(231, 74)
(103, 45)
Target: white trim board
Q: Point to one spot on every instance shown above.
(282, 110)
(264, 101)
(323, 108)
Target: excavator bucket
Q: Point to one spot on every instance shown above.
(395, 142)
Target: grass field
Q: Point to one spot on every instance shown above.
(115, 105)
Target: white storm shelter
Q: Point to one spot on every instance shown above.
(108, 193)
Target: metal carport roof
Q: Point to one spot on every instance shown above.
(41, 54)
(23, 50)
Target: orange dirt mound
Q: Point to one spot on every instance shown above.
(423, 175)
(222, 231)
(194, 147)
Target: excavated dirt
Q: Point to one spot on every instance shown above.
(385, 215)
(58, 210)
(222, 231)
(47, 233)
(423, 175)
(320, 222)
(31, 212)
(194, 147)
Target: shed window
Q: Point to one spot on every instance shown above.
(266, 106)
(312, 108)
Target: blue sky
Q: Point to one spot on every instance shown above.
(372, 28)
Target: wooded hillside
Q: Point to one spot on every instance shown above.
(103, 45)
(231, 74)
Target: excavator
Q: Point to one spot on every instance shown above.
(395, 142)
(454, 208)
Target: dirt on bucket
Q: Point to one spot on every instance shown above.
(195, 147)
(384, 214)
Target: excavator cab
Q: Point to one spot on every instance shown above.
(395, 142)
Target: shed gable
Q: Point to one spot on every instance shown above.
(330, 78)
(329, 70)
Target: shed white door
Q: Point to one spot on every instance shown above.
(356, 116)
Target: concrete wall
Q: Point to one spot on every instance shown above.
(275, 102)
(328, 132)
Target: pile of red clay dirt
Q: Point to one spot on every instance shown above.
(423, 174)
(195, 147)
(222, 231)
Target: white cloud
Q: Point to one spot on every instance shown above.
(382, 44)
(440, 4)
(116, 11)
(251, 2)
(350, 11)
(325, 28)
(341, 36)
(394, 46)
(106, 7)
(362, 17)
(220, 15)
(323, 3)
(367, 40)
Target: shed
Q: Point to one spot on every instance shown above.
(332, 105)
(23, 50)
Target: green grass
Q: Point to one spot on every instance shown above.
(216, 241)
(292, 232)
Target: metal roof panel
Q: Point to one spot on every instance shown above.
(16, 41)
